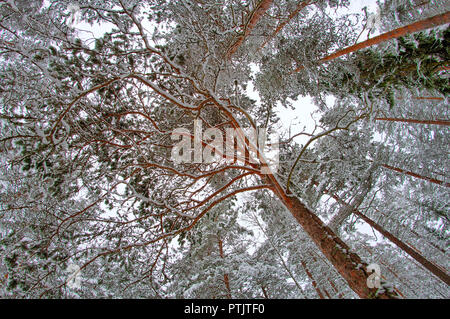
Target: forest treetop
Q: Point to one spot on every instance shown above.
(85, 139)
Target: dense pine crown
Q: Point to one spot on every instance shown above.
(91, 91)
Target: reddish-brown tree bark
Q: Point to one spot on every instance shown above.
(259, 11)
(226, 278)
(348, 264)
(417, 235)
(411, 28)
(432, 98)
(335, 289)
(314, 283)
(414, 121)
(329, 281)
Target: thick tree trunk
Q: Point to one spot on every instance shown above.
(436, 270)
(411, 28)
(259, 11)
(432, 180)
(433, 122)
(348, 264)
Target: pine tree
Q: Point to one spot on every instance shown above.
(89, 178)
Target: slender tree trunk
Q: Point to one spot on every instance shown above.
(264, 292)
(418, 236)
(395, 274)
(326, 293)
(348, 264)
(411, 28)
(427, 242)
(314, 283)
(335, 289)
(407, 283)
(434, 122)
(427, 98)
(432, 180)
(259, 11)
(226, 279)
(432, 98)
(285, 266)
(436, 270)
(299, 8)
(339, 294)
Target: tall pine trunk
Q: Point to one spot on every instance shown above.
(414, 121)
(348, 264)
(430, 98)
(226, 278)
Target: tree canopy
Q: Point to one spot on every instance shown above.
(92, 91)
